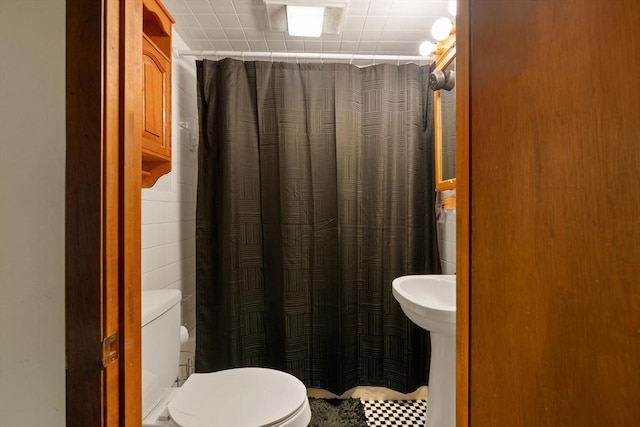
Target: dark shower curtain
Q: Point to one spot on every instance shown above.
(315, 190)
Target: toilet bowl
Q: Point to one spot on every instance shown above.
(241, 397)
(250, 397)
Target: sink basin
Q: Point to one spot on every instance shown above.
(429, 301)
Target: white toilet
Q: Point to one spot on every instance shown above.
(242, 397)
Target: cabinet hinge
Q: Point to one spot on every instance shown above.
(109, 349)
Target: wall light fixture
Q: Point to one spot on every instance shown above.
(453, 7)
(427, 48)
(442, 29)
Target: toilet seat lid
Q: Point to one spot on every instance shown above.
(251, 397)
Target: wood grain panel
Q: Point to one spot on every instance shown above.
(111, 208)
(554, 185)
(130, 213)
(104, 80)
(462, 215)
(84, 269)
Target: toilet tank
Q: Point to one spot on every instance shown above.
(160, 344)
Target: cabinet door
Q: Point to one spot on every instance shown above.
(156, 87)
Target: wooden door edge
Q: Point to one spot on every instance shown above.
(463, 201)
(83, 281)
(130, 211)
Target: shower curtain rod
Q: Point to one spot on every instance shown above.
(299, 55)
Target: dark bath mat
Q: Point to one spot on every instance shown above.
(337, 413)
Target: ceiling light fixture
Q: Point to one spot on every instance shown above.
(305, 21)
(329, 22)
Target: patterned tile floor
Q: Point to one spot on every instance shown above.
(387, 413)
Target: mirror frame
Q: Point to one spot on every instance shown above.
(442, 61)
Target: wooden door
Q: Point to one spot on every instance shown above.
(103, 212)
(551, 199)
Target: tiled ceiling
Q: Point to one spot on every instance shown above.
(372, 27)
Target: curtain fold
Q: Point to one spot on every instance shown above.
(315, 190)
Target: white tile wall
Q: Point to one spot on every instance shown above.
(168, 208)
(447, 239)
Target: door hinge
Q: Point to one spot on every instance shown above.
(109, 349)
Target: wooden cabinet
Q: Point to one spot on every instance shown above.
(156, 92)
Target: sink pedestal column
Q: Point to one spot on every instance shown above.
(441, 397)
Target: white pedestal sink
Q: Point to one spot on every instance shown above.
(430, 302)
